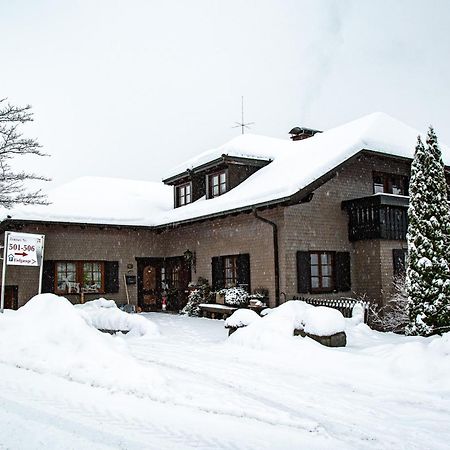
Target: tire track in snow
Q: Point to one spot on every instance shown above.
(73, 417)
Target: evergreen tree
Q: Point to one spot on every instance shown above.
(428, 271)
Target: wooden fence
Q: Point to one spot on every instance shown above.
(344, 305)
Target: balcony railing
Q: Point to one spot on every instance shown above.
(379, 216)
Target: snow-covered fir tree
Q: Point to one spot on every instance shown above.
(428, 272)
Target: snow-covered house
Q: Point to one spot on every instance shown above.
(321, 214)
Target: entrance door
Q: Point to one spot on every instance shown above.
(162, 276)
(177, 276)
(149, 283)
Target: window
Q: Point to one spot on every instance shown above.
(217, 184)
(75, 277)
(172, 274)
(231, 270)
(390, 183)
(322, 273)
(66, 277)
(183, 194)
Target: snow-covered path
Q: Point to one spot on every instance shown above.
(225, 396)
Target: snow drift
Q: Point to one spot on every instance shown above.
(48, 335)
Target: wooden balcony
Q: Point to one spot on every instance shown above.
(379, 216)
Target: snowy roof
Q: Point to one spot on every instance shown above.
(295, 165)
(100, 200)
(250, 146)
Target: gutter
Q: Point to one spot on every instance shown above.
(275, 254)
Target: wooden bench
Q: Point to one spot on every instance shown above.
(215, 310)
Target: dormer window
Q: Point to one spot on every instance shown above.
(390, 183)
(183, 194)
(217, 184)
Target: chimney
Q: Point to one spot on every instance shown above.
(300, 133)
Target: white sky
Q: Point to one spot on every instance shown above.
(131, 88)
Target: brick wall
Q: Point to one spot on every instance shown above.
(228, 236)
(321, 224)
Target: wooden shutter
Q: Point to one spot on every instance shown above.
(48, 276)
(343, 272)
(111, 277)
(303, 272)
(243, 270)
(399, 257)
(217, 273)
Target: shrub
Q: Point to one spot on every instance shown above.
(200, 294)
(235, 296)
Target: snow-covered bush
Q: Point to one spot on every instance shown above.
(394, 316)
(235, 296)
(201, 294)
(194, 299)
(428, 271)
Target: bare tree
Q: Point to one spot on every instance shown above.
(12, 144)
(394, 316)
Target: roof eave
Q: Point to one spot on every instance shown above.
(258, 162)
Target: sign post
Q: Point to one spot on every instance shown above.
(22, 249)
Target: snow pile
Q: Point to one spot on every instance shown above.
(241, 318)
(412, 359)
(48, 335)
(277, 326)
(323, 321)
(357, 315)
(105, 315)
(274, 331)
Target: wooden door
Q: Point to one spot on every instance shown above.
(150, 286)
(11, 297)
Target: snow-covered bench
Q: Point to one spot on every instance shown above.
(213, 310)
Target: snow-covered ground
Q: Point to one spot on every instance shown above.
(194, 388)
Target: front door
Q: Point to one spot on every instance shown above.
(149, 283)
(162, 277)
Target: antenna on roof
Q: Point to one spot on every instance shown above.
(242, 124)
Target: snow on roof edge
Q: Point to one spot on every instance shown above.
(295, 166)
